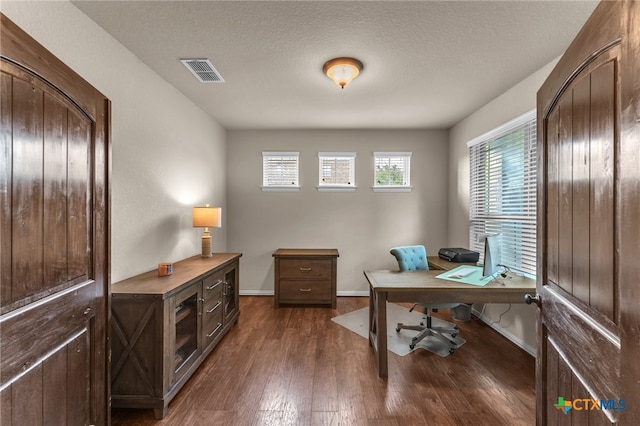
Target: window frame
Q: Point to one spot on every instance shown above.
(405, 157)
(350, 185)
(279, 187)
(500, 204)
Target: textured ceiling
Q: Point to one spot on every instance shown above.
(427, 64)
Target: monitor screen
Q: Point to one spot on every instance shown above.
(492, 255)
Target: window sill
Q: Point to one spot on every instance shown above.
(329, 188)
(392, 188)
(280, 188)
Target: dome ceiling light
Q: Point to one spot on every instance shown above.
(342, 70)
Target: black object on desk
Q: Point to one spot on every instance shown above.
(458, 255)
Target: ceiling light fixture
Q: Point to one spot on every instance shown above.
(342, 70)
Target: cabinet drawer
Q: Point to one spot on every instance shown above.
(212, 325)
(305, 291)
(305, 268)
(212, 286)
(211, 306)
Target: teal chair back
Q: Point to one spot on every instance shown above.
(411, 258)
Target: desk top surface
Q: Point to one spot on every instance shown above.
(397, 281)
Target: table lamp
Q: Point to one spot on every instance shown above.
(204, 217)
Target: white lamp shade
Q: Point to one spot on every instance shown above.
(204, 217)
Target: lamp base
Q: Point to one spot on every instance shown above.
(206, 244)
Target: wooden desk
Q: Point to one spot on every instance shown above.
(423, 286)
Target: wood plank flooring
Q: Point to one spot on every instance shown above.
(294, 366)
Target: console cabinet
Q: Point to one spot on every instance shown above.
(164, 327)
(305, 277)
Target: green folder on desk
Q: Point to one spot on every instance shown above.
(466, 274)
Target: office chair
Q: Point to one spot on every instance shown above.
(412, 258)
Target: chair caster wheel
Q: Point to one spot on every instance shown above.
(451, 350)
(453, 336)
(397, 329)
(412, 346)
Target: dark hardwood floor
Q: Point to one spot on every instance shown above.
(294, 366)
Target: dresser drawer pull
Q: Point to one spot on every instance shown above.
(305, 269)
(305, 290)
(214, 331)
(215, 307)
(214, 285)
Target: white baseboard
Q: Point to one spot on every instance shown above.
(354, 293)
(504, 332)
(256, 293)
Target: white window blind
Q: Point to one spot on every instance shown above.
(336, 169)
(503, 192)
(280, 170)
(392, 169)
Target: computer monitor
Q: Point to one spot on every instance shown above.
(492, 256)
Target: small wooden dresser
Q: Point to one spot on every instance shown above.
(305, 277)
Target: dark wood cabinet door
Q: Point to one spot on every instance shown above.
(54, 293)
(588, 226)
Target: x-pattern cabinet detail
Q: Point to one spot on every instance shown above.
(164, 327)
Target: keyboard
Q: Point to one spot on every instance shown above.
(462, 272)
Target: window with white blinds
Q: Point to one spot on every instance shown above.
(280, 170)
(336, 170)
(392, 171)
(502, 197)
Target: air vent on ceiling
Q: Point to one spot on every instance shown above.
(203, 70)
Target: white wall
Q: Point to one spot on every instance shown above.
(362, 225)
(168, 155)
(519, 320)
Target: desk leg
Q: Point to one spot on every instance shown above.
(378, 329)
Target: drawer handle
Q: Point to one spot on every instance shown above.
(215, 307)
(214, 331)
(305, 290)
(305, 269)
(214, 285)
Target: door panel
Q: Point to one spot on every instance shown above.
(54, 245)
(582, 336)
(26, 232)
(55, 191)
(602, 155)
(63, 373)
(50, 191)
(587, 169)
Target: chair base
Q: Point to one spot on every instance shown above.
(438, 332)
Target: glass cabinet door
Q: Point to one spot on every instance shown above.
(185, 312)
(230, 294)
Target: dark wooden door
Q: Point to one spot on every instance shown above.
(588, 274)
(54, 240)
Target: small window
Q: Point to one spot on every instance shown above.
(336, 171)
(392, 171)
(280, 171)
